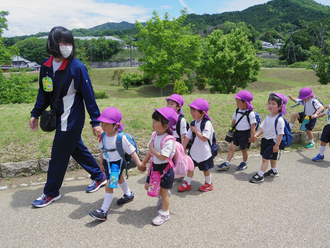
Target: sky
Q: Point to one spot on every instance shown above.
(33, 16)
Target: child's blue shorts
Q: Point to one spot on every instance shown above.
(106, 167)
(267, 149)
(325, 136)
(167, 179)
(204, 165)
(241, 139)
(311, 122)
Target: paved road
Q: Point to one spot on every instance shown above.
(289, 211)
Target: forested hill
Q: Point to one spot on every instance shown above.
(113, 25)
(281, 15)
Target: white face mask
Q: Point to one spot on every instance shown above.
(66, 51)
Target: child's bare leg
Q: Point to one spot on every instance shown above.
(190, 173)
(294, 116)
(231, 152)
(264, 165)
(245, 155)
(310, 134)
(107, 189)
(273, 163)
(207, 173)
(165, 199)
(146, 186)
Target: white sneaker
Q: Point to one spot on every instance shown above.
(160, 219)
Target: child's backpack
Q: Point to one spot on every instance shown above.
(129, 162)
(257, 116)
(214, 145)
(287, 136)
(178, 128)
(180, 162)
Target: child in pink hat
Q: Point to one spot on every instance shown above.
(200, 150)
(272, 129)
(312, 108)
(163, 121)
(176, 102)
(244, 122)
(111, 125)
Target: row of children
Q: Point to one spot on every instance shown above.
(170, 121)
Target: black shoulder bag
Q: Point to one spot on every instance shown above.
(48, 119)
(232, 130)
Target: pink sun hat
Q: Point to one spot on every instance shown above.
(169, 115)
(245, 96)
(178, 99)
(113, 116)
(201, 104)
(305, 93)
(284, 101)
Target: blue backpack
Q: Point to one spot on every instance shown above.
(127, 159)
(257, 116)
(287, 136)
(214, 145)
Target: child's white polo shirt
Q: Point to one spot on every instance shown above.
(200, 150)
(244, 125)
(268, 127)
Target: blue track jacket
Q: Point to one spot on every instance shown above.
(76, 91)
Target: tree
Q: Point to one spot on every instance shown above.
(170, 49)
(229, 61)
(320, 62)
(33, 49)
(5, 53)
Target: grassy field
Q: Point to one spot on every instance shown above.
(18, 143)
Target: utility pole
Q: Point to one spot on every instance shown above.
(91, 47)
(131, 53)
(294, 53)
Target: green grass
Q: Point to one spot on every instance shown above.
(18, 143)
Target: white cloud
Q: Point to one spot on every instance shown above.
(186, 6)
(166, 7)
(33, 16)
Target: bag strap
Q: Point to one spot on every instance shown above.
(61, 83)
(243, 114)
(105, 152)
(178, 125)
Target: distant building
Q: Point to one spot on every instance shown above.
(19, 62)
(266, 44)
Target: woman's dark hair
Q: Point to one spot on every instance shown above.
(159, 117)
(57, 35)
(275, 98)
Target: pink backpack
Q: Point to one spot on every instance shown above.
(180, 162)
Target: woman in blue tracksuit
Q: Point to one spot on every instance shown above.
(76, 92)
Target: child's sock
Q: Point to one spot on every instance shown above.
(125, 188)
(274, 170)
(208, 179)
(291, 125)
(164, 212)
(107, 201)
(188, 180)
(227, 162)
(311, 141)
(261, 173)
(322, 150)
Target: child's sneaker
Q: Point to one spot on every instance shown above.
(99, 214)
(242, 166)
(271, 173)
(160, 219)
(256, 179)
(309, 145)
(184, 187)
(206, 187)
(125, 199)
(318, 158)
(224, 166)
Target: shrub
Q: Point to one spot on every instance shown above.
(22, 69)
(180, 88)
(127, 79)
(16, 89)
(102, 94)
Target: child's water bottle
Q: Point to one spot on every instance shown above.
(114, 176)
(305, 123)
(154, 184)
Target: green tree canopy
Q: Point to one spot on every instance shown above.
(229, 61)
(170, 48)
(5, 53)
